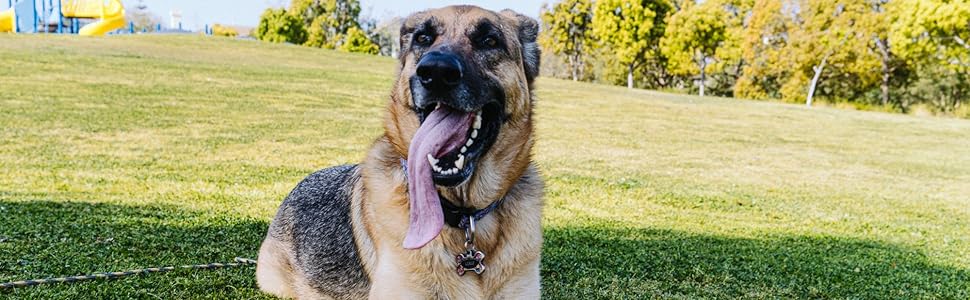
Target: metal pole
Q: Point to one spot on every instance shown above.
(60, 17)
(43, 16)
(35, 14)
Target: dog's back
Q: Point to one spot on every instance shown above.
(311, 235)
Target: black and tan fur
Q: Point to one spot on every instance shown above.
(339, 233)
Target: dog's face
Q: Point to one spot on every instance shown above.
(471, 61)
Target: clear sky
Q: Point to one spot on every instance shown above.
(196, 13)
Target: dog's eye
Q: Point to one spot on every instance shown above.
(423, 39)
(489, 42)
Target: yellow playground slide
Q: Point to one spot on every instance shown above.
(6, 20)
(111, 15)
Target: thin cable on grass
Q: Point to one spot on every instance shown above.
(239, 262)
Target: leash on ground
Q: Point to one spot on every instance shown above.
(239, 262)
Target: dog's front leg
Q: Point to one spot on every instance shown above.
(524, 285)
(390, 282)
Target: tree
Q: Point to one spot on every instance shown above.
(386, 34)
(277, 26)
(879, 23)
(625, 26)
(937, 29)
(932, 37)
(829, 36)
(357, 41)
(307, 10)
(567, 32)
(342, 15)
(317, 35)
(693, 37)
(326, 21)
(729, 56)
(142, 18)
(764, 42)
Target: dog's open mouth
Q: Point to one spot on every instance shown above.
(456, 163)
(444, 151)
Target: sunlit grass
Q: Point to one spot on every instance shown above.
(135, 151)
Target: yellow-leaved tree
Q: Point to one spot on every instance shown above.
(567, 32)
(625, 26)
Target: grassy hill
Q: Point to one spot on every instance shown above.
(134, 151)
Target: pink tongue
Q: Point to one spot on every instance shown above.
(442, 131)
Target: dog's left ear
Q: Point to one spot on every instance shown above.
(528, 30)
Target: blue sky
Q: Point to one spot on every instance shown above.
(196, 13)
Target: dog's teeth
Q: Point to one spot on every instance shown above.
(436, 168)
(469, 143)
(432, 160)
(474, 133)
(478, 120)
(454, 171)
(463, 149)
(460, 162)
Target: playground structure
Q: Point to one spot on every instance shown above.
(63, 16)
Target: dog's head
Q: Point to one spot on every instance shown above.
(461, 109)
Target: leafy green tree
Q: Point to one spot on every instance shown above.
(932, 36)
(763, 47)
(625, 26)
(567, 33)
(695, 38)
(928, 28)
(317, 35)
(877, 23)
(341, 15)
(357, 41)
(828, 43)
(307, 10)
(326, 21)
(655, 68)
(277, 26)
(730, 54)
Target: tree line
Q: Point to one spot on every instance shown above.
(897, 55)
(330, 24)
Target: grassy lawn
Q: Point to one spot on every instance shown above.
(134, 151)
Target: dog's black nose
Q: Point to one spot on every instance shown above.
(439, 72)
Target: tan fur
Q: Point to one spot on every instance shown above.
(511, 236)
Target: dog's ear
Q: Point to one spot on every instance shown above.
(528, 30)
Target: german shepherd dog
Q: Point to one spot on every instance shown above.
(447, 203)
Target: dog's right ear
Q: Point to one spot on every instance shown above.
(528, 30)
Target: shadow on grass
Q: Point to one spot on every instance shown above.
(52, 238)
(599, 262)
(40, 239)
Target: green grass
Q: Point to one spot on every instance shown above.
(135, 151)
